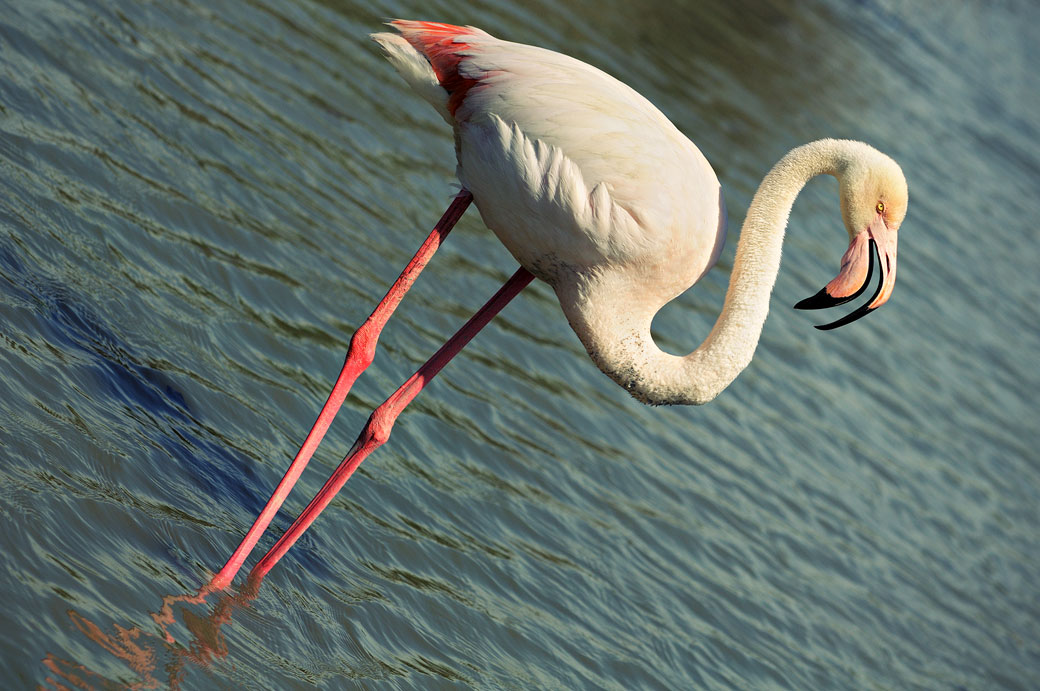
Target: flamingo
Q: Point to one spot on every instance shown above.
(594, 191)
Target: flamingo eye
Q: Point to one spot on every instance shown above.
(880, 207)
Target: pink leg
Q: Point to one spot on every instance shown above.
(377, 430)
(359, 357)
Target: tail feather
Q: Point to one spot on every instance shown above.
(428, 55)
(416, 70)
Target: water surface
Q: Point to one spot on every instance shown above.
(200, 201)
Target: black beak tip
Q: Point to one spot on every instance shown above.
(847, 319)
(819, 301)
(822, 299)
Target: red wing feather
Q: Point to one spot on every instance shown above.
(442, 44)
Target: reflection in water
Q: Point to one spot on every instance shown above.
(126, 645)
(142, 652)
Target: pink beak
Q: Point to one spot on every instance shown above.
(857, 265)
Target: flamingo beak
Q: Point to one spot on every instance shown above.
(857, 267)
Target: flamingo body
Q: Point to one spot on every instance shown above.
(594, 191)
(573, 170)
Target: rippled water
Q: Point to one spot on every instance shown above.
(200, 201)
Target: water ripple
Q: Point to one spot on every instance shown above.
(200, 202)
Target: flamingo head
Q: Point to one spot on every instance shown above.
(873, 204)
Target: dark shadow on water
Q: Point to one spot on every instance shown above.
(160, 411)
(120, 382)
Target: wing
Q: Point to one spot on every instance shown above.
(565, 161)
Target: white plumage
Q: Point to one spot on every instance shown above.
(594, 191)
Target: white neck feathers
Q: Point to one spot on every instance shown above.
(614, 324)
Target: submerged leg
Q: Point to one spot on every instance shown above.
(377, 430)
(359, 356)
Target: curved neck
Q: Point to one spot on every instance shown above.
(613, 322)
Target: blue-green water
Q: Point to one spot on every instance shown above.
(199, 202)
